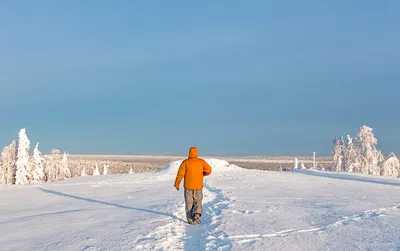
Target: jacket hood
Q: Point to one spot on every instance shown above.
(193, 153)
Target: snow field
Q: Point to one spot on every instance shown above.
(243, 210)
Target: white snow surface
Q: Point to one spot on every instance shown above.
(243, 210)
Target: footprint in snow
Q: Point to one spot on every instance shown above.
(89, 248)
(247, 212)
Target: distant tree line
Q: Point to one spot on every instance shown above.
(18, 167)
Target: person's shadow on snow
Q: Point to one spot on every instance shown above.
(110, 204)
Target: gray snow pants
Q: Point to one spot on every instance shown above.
(193, 200)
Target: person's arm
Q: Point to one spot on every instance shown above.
(180, 175)
(206, 168)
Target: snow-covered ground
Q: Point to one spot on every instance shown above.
(243, 210)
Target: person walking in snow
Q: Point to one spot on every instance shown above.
(193, 170)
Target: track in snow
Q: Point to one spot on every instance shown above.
(366, 215)
(176, 235)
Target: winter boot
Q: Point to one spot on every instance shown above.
(197, 218)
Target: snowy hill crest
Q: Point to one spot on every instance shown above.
(216, 164)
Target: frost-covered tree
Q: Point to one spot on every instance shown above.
(338, 154)
(65, 173)
(96, 170)
(296, 163)
(303, 166)
(2, 171)
(352, 157)
(372, 156)
(2, 174)
(359, 154)
(9, 162)
(37, 166)
(57, 167)
(9, 157)
(391, 166)
(22, 175)
(52, 167)
(314, 166)
(105, 170)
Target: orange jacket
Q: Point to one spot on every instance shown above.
(193, 170)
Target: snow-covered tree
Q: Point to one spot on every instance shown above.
(83, 173)
(296, 163)
(52, 167)
(359, 154)
(2, 171)
(105, 170)
(352, 157)
(303, 166)
(57, 167)
(314, 166)
(22, 175)
(96, 170)
(131, 171)
(391, 166)
(65, 173)
(37, 166)
(338, 154)
(9, 157)
(373, 157)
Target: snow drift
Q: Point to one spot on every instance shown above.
(216, 164)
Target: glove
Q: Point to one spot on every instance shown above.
(177, 188)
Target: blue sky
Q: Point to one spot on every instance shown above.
(231, 77)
